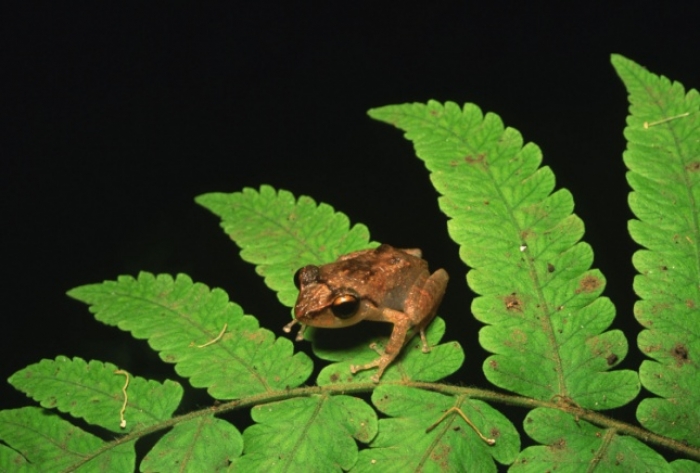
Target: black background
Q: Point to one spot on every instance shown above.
(116, 116)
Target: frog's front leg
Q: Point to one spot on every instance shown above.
(402, 324)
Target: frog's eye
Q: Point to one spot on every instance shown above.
(345, 306)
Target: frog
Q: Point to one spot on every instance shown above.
(383, 284)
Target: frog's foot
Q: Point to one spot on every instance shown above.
(302, 328)
(382, 363)
(374, 346)
(368, 366)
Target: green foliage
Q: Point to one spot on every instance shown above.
(307, 434)
(93, 391)
(573, 445)
(178, 317)
(48, 443)
(541, 302)
(279, 234)
(546, 325)
(663, 157)
(209, 444)
(404, 443)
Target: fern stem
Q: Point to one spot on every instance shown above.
(476, 393)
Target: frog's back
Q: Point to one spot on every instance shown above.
(383, 275)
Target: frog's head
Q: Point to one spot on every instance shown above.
(320, 305)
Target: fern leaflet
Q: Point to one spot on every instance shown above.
(663, 157)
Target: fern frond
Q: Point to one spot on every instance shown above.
(280, 234)
(663, 157)
(575, 445)
(425, 432)
(307, 434)
(201, 444)
(50, 443)
(685, 466)
(183, 321)
(94, 392)
(12, 461)
(546, 318)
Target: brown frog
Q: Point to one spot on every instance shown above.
(384, 284)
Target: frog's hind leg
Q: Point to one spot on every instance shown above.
(425, 302)
(421, 307)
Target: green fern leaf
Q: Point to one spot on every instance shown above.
(546, 319)
(280, 234)
(12, 461)
(201, 444)
(403, 444)
(574, 445)
(307, 434)
(685, 466)
(183, 320)
(411, 365)
(93, 391)
(663, 157)
(50, 443)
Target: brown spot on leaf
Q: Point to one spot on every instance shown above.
(558, 444)
(493, 364)
(659, 308)
(690, 304)
(519, 337)
(441, 455)
(480, 159)
(513, 302)
(611, 359)
(680, 353)
(255, 337)
(550, 268)
(589, 283)
(693, 167)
